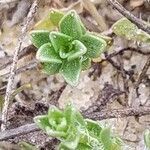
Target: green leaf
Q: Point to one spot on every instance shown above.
(39, 37)
(55, 16)
(42, 121)
(116, 144)
(73, 138)
(83, 146)
(71, 25)
(95, 45)
(105, 136)
(54, 116)
(55, 133)
(44, 24)
(50, 68)
(46, 53)
(93, 128)
(147, 138)
(60, 41)
(78, 49)
(108, 39)
(63, 53)
(70, 70)
(127, 29)
(50, 22)
(86, 64)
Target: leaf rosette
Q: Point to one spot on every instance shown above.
(69, 50)
(75, 132)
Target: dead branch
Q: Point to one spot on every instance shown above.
(105, 114)
(18, 131)
(30, 66)
(128, 49)
(142, 75)
(140, 23)
(107, 95)
(14, 64)
(119, 113)
(115, 65)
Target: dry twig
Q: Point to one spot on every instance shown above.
(105, 114)
(119, 113)
(14, 64)
(142, 76)
(31, 65)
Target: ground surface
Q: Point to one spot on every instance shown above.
(105, 82)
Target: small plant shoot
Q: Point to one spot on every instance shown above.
(69, 50)
(125, 28)
(147, 139)
(75, 132)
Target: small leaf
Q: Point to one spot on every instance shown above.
(78, 50)
(50, 22)
(55, 133)
(39, 37)
(55, 16)
(72, 140)
(105, 136)
(46, 53)
(93, 128)
(42, 121)
(108, 39)
(50, 68)
(86, 64)
(124, 27)
(54, 116)
(70, 25)
(70, 70)
(63, 53)
(44, 24)
(147, 138)
(60, 40)
(95, 45)
(83, 146)
(127, 29)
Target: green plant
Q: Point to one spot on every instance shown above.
(130, 31)
(69, 50)
(75, 132)
(147, 138)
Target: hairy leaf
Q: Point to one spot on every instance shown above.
(50, 22)
(70, 70)
(55, 16)
(78, 49)
(93, 128)
(70, 25)
(60, 41)
(50, 68)
(86, 64)
(42, 121)
(95, 45)
(105, 137)
(147, 138)
(39, 37)
(127, 29)
(46, 53)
